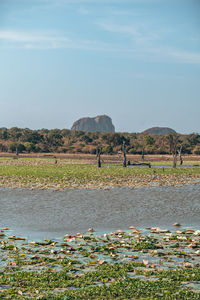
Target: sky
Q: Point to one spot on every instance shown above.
(137, 61)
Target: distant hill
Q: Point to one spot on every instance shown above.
(97, 124)
(159, 130)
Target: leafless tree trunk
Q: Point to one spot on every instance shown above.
(17, 152)
(142, 152)
(124, 151)
(173, 141)
(180, 155)
(98, 157)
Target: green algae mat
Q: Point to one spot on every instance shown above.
(133, 264)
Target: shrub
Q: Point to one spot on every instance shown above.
(196, 150)
(29, 147)
(132, 151)
(107, 149)
(3, 148)
(17, 146)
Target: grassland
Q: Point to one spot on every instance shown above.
(43, 173)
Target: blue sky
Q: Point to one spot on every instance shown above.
(137, 61)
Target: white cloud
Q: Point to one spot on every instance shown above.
(145, 43)
(185, 56)
(137, 33)
(31, 39)
(47, 40)
(54, 40)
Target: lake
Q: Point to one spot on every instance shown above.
(38, 214)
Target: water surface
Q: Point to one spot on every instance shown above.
(45, 213)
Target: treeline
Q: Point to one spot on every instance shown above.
(67, 141)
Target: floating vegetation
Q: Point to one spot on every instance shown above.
(128, 264)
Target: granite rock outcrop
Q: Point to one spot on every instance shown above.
(97, 124)
(159, 130)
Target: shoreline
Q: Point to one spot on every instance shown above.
(135, 181)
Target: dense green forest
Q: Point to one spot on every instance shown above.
(67, 141)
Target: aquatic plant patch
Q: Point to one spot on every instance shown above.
(140, 264)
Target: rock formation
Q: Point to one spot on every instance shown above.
(159, 130)
(99, 123)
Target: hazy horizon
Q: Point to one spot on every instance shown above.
(195, 132)
(137, 61)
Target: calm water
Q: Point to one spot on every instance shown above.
(40, 214)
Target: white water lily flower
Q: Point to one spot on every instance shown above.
(197, 232)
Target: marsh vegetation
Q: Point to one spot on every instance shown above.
(44, 173)
(141, 264)
(150, 264)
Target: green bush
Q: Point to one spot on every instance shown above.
(17, 146)
(30, 147)
(196, 150)
(107, 149)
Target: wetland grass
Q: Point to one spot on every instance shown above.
(43, 173)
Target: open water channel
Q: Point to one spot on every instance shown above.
(38, 214)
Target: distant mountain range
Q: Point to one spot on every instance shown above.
(159, 130)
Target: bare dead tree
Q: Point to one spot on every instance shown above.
(173, 141)
(180, 155)
(124, 152)
(142, 152)
(16, 153)
(98, 157)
